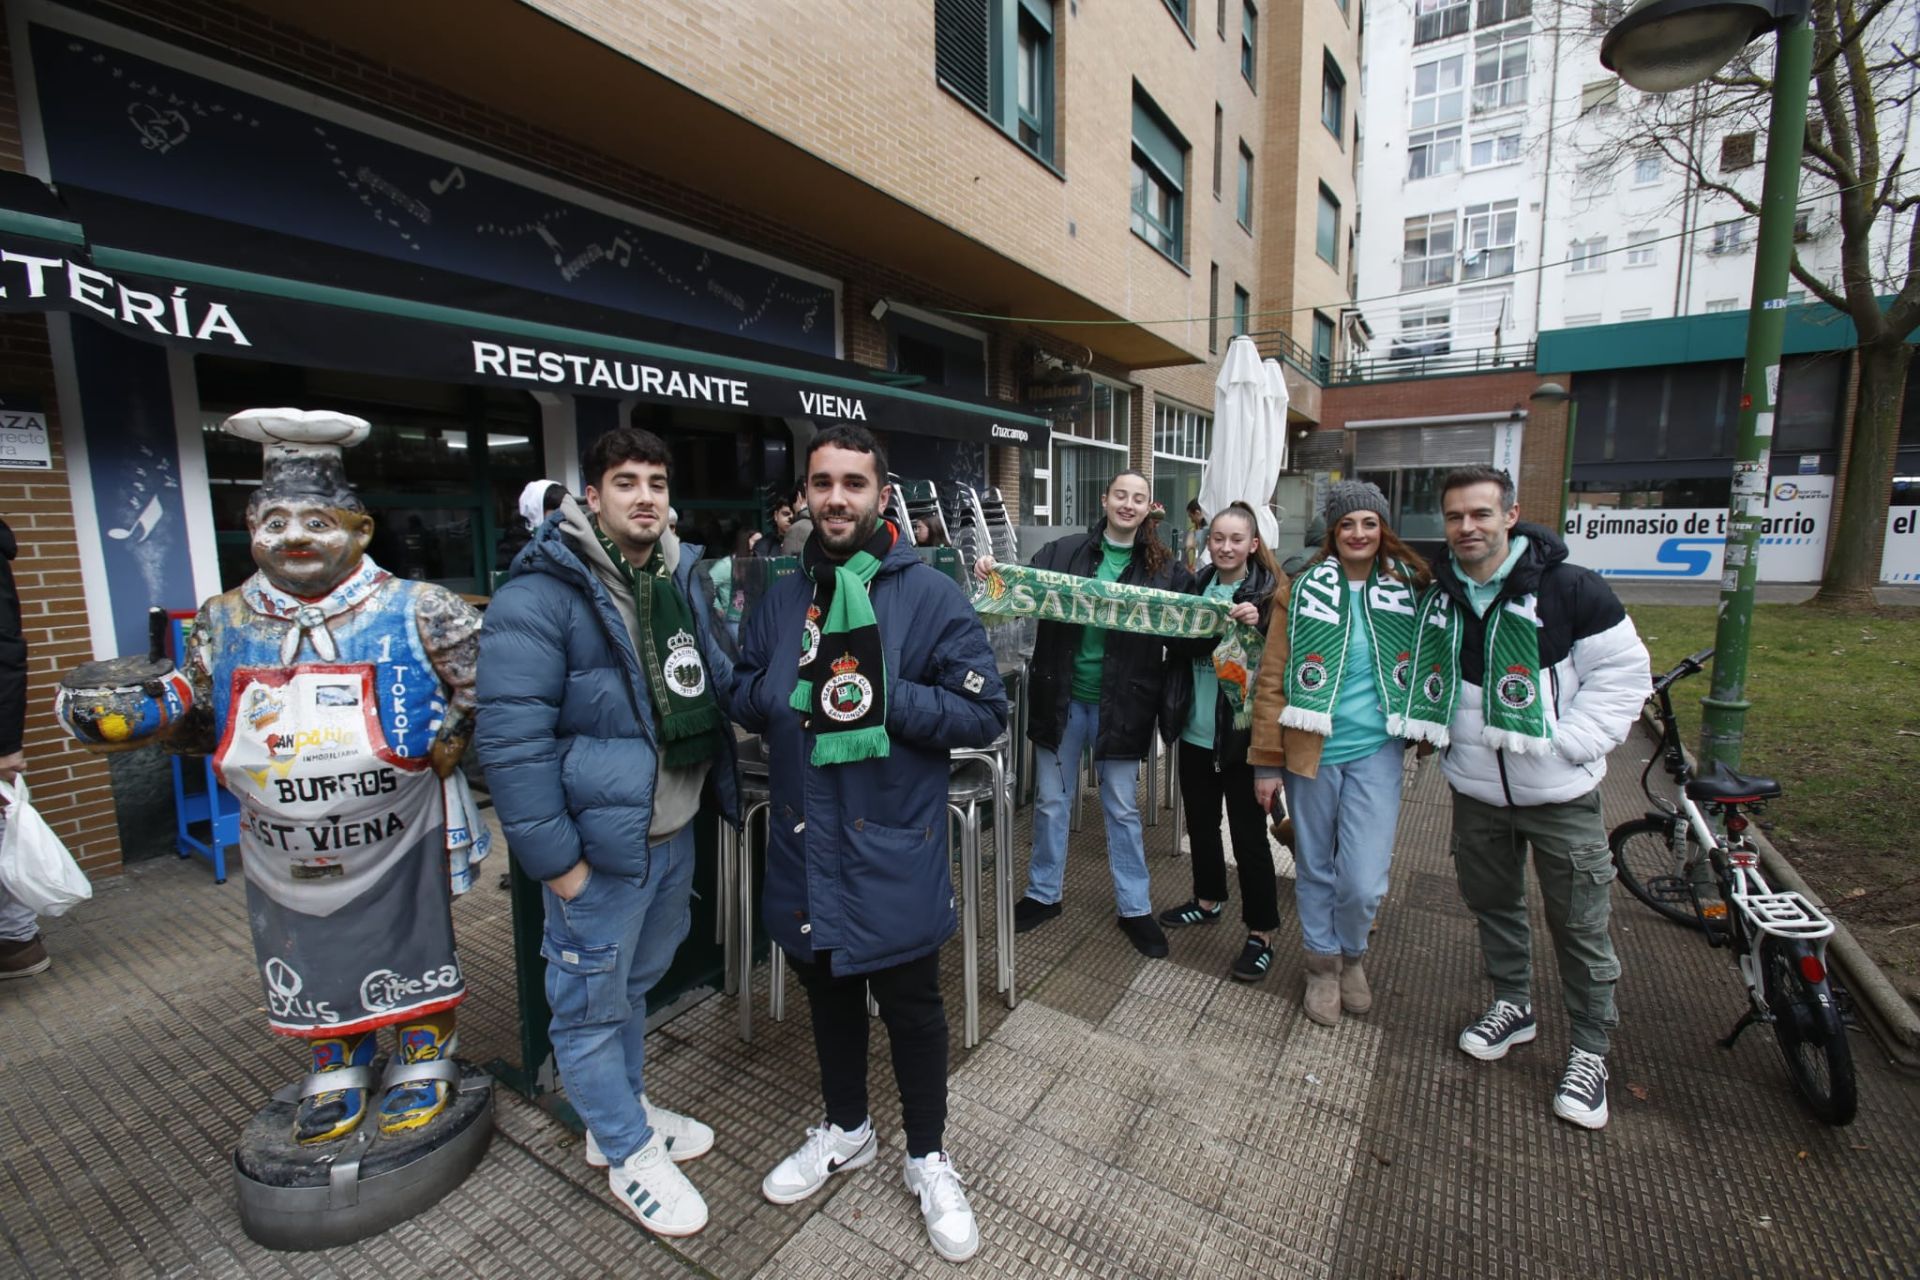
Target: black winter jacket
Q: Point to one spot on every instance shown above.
(1133, 678)
(1229, 744)
(13, 651)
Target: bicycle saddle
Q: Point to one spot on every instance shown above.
(1721, 785)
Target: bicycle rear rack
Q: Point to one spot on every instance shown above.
(1785, 915)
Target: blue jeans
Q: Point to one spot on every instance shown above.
(605, 949)
(1343, 826)
(1058, 778)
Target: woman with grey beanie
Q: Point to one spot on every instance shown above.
(1327, 724)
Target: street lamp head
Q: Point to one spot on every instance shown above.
(1663, 45)
(1550, 393)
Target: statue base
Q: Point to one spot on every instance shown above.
(295, 1197)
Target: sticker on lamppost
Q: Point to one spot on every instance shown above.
(24, 444)
(1749, 479)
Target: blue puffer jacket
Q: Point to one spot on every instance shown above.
(857, 863)
(566, 728)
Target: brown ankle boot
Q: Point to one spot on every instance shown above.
(1355, 995)
(1323, 989)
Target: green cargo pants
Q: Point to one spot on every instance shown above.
(1576, 882)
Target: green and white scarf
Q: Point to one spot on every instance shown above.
(1318, 617)
(690, 721)
(842, 691)
(1516, 718)
(1012, 591)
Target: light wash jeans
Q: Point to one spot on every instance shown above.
(1343, 826)
(17, 921)
(605, 950)
(1058, 782)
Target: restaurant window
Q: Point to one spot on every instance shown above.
(441, 471)
(1182, 443)
(1089, 453)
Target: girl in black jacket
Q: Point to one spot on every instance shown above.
(1213, 753)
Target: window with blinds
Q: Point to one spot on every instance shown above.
(962, 49)
(1399, 448)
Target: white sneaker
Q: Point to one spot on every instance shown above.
(656, 1192)
(828, 1150)
(686, 1138)
(950, 1226)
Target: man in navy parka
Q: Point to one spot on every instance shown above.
(859, 892)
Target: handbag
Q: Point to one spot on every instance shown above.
(35, 866)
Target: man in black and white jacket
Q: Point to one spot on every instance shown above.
(1593, 676)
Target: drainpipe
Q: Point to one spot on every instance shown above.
(1546, 184)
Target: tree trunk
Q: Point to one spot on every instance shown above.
(1853, 567)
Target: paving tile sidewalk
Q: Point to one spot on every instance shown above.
(1131, 1118)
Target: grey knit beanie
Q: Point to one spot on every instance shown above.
(1344, 497)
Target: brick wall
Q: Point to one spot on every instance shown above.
(69, 786)
(1542, 447)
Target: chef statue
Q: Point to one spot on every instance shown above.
(336, 700)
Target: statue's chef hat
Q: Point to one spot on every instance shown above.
(302, 450)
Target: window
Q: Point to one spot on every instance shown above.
(1593, 173)
(1736, 152)
(1333, 98)
(1242, 310)
(1599, 96)
(1438, 96)
(1489, 233)
(1637, 313)
(1803, 226)
(1244, 209)
(1490, 149)
(1424, 331)
(1178, 8)
(1433, 152)
(1159, 173)
(1584, 321)
(1326, 239)
(1729, 237)
(1643, 249)
(1322, 346)
(1483, 315)
(998, 56)
(1587, 256)
(1500, 69)
(1604, 13)
(1182, 445)
(1249, 40)
(1213, 306)
(1646, 170)
(1219, 129)
(1492, 13)
(1716, 306)
(1438, 19)
(1427, 258)
(1089, 451)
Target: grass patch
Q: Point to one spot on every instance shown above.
(1835, 717)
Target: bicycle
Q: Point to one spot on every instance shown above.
(1692, 861)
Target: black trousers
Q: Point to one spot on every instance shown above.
(1202, 789)
(916, 1018)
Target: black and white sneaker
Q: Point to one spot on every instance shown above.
(1582, 1096)
(1191, 912)
(1255, 959)
(1499, 1029)
(828, 1150)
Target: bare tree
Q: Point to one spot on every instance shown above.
(1861, 120)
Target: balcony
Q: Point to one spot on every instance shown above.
(1431, 359)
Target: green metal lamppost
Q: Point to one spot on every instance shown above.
(1660, 46)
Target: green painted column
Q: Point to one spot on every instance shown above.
(1723, 724)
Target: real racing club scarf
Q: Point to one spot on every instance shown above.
(690, 722)
(842, 692)
(1318, 617)
(1510, 704)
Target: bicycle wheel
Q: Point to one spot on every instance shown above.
(1821, 1067)
(1643, 857)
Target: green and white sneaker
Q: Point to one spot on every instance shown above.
(685, 1138)
(656, 1192)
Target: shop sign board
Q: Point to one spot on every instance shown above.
(1686, 544)
(1900, 559)
(24, 445)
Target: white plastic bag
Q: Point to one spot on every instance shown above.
(35, 866)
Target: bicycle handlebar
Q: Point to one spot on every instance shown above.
(1690, 665)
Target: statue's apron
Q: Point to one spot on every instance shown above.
(342, 820)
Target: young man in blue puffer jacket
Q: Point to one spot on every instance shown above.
(895, 673)
(601, 692)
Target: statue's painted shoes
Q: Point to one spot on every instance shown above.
(336, 1113)
(414, 1103)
